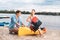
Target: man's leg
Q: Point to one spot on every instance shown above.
(15, 30)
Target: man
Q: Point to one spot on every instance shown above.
(15, 22)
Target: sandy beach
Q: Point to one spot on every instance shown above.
(50, 35)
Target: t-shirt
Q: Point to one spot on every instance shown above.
(14, 21)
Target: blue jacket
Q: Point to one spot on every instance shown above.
(14, 21)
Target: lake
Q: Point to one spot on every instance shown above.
(48, 21)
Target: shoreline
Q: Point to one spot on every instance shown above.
(50, 35)
(37, 13)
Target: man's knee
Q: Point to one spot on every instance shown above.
(13, 30)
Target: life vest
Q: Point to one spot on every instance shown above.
(35, 23)
(34, 19)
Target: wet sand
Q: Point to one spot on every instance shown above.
(50, 35)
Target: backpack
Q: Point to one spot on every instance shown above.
(35, 24)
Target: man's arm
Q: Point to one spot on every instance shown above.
(21, 21)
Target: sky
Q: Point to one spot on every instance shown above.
(28, 5)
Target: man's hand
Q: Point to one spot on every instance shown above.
(23, 25)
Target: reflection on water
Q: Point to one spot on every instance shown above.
(52, 22)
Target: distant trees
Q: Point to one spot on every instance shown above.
(48, 13)
(27, 12)
(6, 11)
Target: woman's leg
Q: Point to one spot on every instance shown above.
(44, 30)
(40, 32)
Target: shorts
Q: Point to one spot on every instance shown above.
(43, 28)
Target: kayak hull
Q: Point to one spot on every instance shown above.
(26, 31)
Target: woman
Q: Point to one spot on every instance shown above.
(33, 20)
(15, 22)
(34, 23)
(30, 17)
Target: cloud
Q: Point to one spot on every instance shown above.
(18, 3)
(52, 2)
(39, 5)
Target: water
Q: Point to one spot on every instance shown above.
(48, 21)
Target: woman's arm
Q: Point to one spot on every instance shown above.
(28, 19)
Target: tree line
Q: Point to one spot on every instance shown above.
(27, 12)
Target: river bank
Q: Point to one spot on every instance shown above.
(50, 35)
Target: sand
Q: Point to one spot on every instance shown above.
(50, 35)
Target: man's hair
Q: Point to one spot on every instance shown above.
(18, 11)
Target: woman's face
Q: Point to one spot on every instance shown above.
(33, 12)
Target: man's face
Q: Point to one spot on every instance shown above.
(19, 14)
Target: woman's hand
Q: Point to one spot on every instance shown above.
(28, 19)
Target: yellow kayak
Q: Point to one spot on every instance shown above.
(26, 31)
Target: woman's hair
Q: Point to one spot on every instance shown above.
(32, 10)
(18, 11)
